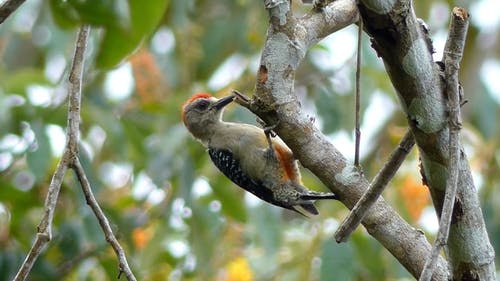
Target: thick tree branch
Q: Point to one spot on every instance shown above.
(70, 160)
(399, 39)
(274, 101)
(8, 7)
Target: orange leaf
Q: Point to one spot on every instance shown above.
(415, 197)
(149, 83)
(141, 237)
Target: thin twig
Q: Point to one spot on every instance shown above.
(453, 52)
(75, 91)
(358, 97)
(75, 79)
(44, 233)
(378, 185)
(103, 220)
(8, 7)
(76, 72)
(70, 160)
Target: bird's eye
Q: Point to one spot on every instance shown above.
(202, 105)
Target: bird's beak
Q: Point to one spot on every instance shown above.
(223, 102)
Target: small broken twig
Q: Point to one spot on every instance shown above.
(378, 185)
(8, 7)
(453, 52)
(241, 99)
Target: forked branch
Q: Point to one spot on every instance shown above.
(70, 160)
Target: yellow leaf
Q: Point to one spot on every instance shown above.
(239, 270)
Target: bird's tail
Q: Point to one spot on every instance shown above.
(310, 208)
(313, 195)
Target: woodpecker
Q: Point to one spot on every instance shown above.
(248, 156)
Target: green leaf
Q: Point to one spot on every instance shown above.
(327, 104)
(101, 13)
(266, 218)
(39, 160)
(206, 229)
(368, 254)
(70, 240)
(18, 81)
(120, 41)
(126, 23)
(338, 261)
(63, 14)
(230, 198)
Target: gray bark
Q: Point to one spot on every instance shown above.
(274, 101)
(400, 41)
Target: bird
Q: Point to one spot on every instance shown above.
(248, 156)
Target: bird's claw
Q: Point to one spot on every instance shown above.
(268, 129)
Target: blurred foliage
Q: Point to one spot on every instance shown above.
(175, 215)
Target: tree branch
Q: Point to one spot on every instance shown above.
(44, 233)
(70, 160)
(452, 56)
(75, 92)
(8, 7)
(274, 101)
(103, 221)
(376, 188)
(399, 39)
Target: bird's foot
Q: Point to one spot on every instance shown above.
(268, 131)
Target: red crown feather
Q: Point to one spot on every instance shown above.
(192, 99)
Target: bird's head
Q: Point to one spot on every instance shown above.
(202, 111)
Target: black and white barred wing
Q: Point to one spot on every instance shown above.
(230, 167)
